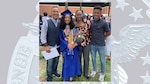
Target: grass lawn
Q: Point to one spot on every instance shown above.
(42, 70)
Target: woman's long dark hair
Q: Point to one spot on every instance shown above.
(63, 24)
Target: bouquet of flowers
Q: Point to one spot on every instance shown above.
(77, 35)
(74, 36)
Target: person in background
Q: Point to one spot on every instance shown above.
(49, 39)
(84, 16)
(88, 20)
(103, 17)
(40, 26)
(71, 64)
(108, 40)
(88, 17)
(99, 31)
(40, 20)
(74, 19)
(45, 17)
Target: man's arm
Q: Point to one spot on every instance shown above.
(107, 34)
(107, 30)
(44, 33)
(44, 36)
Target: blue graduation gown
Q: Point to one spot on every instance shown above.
(71, 63)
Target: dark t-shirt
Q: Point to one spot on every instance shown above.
(98, 28)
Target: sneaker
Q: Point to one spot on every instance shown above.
(93, 73)
(101, 77)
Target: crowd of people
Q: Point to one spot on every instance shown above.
(96, 31)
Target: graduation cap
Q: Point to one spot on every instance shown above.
(67, 12)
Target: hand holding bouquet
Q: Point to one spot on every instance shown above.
(74, 36)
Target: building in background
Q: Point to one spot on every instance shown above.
(86, 7)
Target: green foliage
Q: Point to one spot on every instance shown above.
(42, 70)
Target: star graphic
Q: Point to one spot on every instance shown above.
(146, 59)
(136, 14)
(121, 4)
(146, 78)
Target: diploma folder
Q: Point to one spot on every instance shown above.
(54, 53)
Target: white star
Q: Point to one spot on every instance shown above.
(136, 14)
(121, 4)
(146, 59)
(146, 78)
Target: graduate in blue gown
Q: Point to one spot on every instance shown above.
(71, 64)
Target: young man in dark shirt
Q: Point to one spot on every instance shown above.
(99, 31)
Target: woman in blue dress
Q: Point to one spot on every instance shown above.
(71, 64)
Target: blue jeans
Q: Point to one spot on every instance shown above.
(52, 67)
(101, 52)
